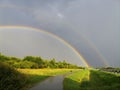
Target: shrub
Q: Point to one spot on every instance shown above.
(10, 79)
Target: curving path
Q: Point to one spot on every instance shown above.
(51, 83)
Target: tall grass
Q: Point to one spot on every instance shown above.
(92, 80)
(104, 81)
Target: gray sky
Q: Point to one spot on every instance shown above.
(90, 26)
(23, 42)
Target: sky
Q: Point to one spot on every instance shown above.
(22, 41)
(90, 26)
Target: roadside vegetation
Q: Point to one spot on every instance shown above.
(92, 80)
(73, 81)
(10, 79)
(37, 75)
(21, 74)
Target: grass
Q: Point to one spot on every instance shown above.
(72, 82)
(37, 75)
(23, 79)
(92, 80)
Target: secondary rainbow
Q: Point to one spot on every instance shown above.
(88, 41)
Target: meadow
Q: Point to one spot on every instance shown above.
(92, 80)
(23, 79)
(79, 79)
(22, 74)
(37, 75)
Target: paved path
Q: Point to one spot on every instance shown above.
(51, 83)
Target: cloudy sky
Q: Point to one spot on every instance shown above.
(90, 26)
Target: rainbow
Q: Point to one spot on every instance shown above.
(52, 35)
(89, 42)
(97, 51)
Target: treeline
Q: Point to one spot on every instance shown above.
(110, 69)
(34, 62)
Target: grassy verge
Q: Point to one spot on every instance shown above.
(72, 82)
(92, 80)
(36, 75)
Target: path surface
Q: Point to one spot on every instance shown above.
(51, 83)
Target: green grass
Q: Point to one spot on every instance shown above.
(72, 82)
(23, 79)
(92, 80)
(37, 75)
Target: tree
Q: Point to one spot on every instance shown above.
(4, 58)
(37, 60)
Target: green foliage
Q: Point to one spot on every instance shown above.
(25, 64)
(73, 81)
(10, 79)
(4, 58)
(38, 75)
(34, 62)
(92, 80)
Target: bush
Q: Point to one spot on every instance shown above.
(10, 79)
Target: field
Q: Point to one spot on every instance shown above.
(77, 79)
(23, 79)
(36, 75)
(92, 80)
